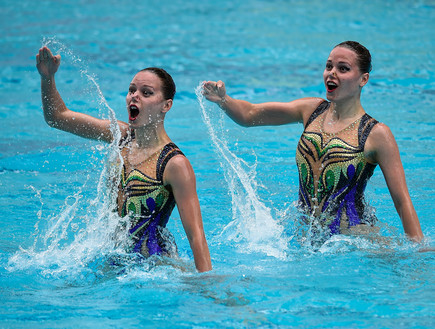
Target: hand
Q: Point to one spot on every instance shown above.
(214, 91)
(46, 63)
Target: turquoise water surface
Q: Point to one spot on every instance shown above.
(60, 263)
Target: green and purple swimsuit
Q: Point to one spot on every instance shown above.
(148, 201)
(333, 171)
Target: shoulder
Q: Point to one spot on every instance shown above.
(380, 132)
(304, 107)
(177, 162)
(379, 142)
(309, 105)
(178, 171)
(126, 135)
(312, 101)
(124, 128)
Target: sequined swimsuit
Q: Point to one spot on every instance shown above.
(333, 171)
(149, 202)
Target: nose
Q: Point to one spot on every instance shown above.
(332, 73)
(133, 94)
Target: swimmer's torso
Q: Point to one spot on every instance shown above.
(143, 196)
(333, 171)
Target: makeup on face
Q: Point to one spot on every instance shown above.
(340, 70)
(144, 91)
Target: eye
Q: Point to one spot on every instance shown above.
(344, 68)
(147, 92)
(328, 66)
(131, 90)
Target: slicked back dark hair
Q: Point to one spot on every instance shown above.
(168, 84)
(362, 53)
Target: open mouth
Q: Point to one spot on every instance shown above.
(331, 86)
(134, 112)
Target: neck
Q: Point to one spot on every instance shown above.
(149, 137)
(346, 109)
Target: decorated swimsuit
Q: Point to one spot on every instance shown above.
(333, 172)
(148, 201)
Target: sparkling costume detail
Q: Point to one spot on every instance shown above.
(148, 201)
(333, 171)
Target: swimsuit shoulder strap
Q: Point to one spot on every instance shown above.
(127, 138)
(366, 125)
(319, 110)
(169, 151)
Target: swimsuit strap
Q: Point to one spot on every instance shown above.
(127, 138)
(323, 106)
(169, 151)
(366, 125)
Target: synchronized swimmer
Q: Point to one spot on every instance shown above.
(339, 148)
(337, 153)
(155, 175)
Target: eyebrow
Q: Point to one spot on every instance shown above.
(148, 86)
(341, 62)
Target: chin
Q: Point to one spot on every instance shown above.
(133, 124)
(329, 97)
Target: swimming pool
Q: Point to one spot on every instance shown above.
(59, 265)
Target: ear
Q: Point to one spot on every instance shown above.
(167, 106)
(364, 79)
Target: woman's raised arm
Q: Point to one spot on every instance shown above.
(249, 115)
(56, 113)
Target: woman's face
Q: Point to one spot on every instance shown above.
(342, 77)
(145, 102)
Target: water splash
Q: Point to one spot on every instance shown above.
(84, 230)
(252, 220)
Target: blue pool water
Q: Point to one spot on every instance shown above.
(59, 264)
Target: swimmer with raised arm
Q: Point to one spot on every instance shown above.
(339, 148)
(155, 175)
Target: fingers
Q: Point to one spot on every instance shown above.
(46, 55)
(209, 85)
(214, 91)
(40, 57)
(43, 53)
(213, 86)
